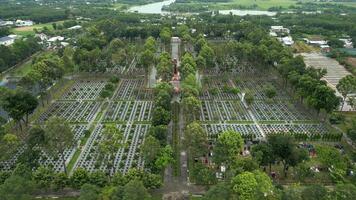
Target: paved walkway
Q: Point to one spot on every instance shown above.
(335, 71)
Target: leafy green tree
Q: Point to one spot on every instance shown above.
(244, 185)
(208, 54)
(264, 155)
(315, 192)
(330, 156)
(60, 181)
(190, 86)
(59, 137)
(344, 192)
(160, 116)
(19, 105)
(203, 175)
(89, 192)
(134, 190)
(43, 177)
(108, 146)
(79, 178)
(16, 188)
(249, 98)
(284, 148)
(150, 149)
(191, 107)
(219, 191)
(270, 91)
(346, 85)
(165, 35)
(98, 178)
(165, 157)
(253, 185)
(228, 147)
(196, 139)
(160, 133)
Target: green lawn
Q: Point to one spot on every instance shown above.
(258, 4)
(29, 30)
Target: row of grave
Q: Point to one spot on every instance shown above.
(45, 159)
(235, 111)
(246, 129)
(126, 157)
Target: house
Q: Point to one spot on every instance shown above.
(24, 22)
(325, 48)
(288, 40)
(347, 43)
(6, 23)
(279, 29)
(55, 39)
(75, 27)
(316, 41)
(42, 36)
(7, 41)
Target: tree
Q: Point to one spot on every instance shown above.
(89, 192)
(16, 188)
(58, 137)
(344, 192)
(160, 133)
(19, 105)
(270, 91)
(160, 116)
(108, 146)
(228, 147)
(219, 191)
(165, 157)
(330, 156)
(346, 85)
(150, 149)
(196, 139)
(134, 190)
(203, 175)
(324, 98)
(314, 192)
(208, 54)
(283, 147)
(253, 185)
(264, 155)
(191, 107)
(79, 178)
(43, 177)
(249, 97)
(98, 178)
(244, 185)
(165, 35)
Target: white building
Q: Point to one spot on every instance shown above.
(279, 29)
(55, 39)
(7, 41)
(24, 22)
(347, 42)
(75, 27)
(6, 23)
(288, 40)
(316, 42)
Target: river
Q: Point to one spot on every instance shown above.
(152, 8)
(156, 8)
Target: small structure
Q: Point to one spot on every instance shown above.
(76, 27)
(279, 29)
(287, 40)
(6, 23)
(24, 23)
(325, 48)
(55, 39)
(8, 40)
(42, 36)
(316, 41)
(347, 43)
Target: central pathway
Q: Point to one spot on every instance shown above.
(181, 183)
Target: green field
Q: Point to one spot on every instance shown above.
(254, 4)
(30, 30)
